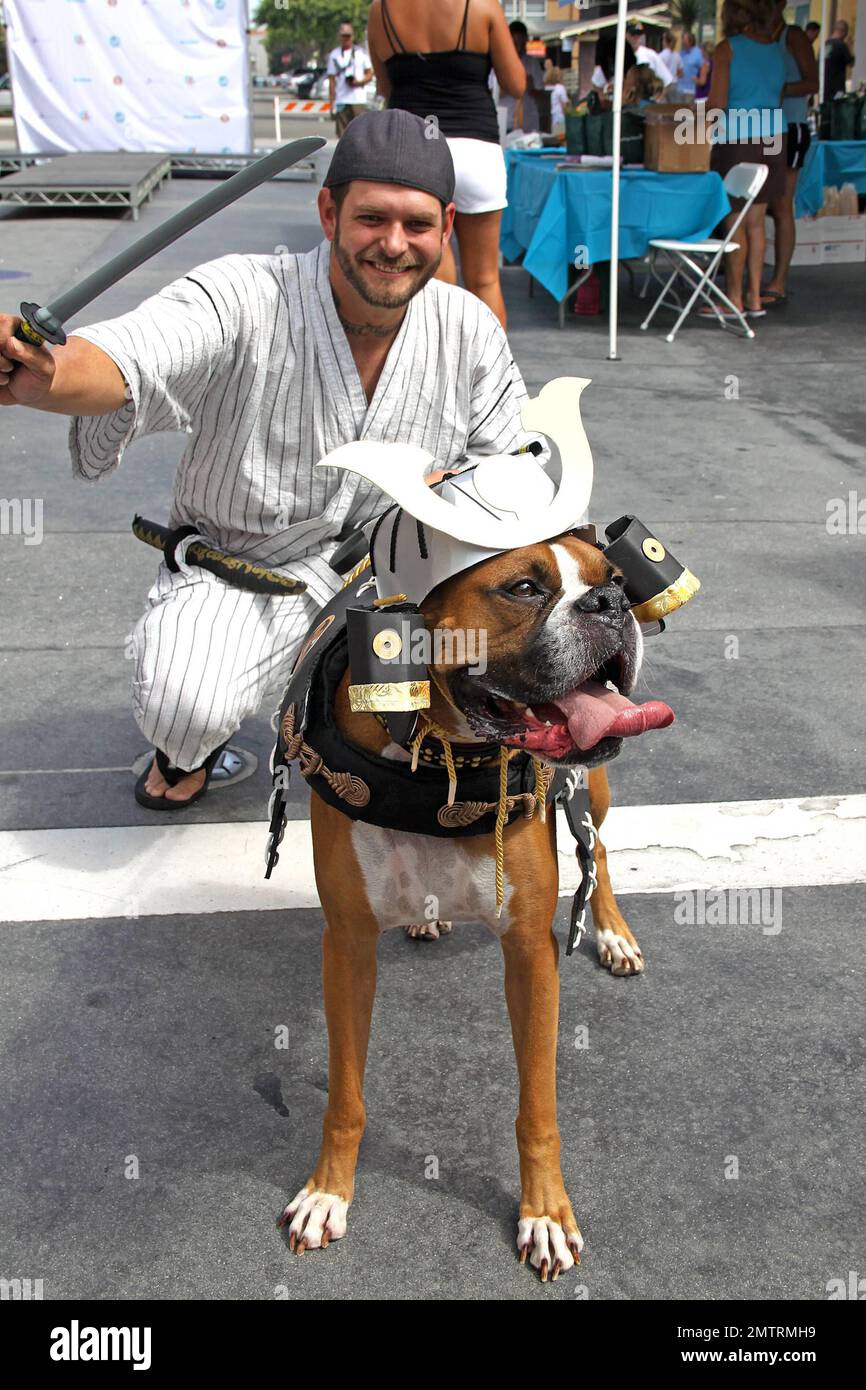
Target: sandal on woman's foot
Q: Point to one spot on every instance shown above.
(173, 775)
(773, 297)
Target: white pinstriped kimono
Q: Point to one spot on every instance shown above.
(246, 354)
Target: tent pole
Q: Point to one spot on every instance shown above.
(619, 63)
(821, 54)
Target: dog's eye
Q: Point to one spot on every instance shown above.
(618, 579)
(524, 588)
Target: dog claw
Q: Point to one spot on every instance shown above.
(550, 1249)
(317, 1219)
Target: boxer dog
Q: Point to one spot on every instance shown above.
(563, 654)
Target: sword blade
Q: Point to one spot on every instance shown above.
(66, 305)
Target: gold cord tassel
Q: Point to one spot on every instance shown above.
(505, 755)
(540, 789)
(416, 743)
(427, 726)
(452, 774)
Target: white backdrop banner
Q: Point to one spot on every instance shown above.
(143, 75)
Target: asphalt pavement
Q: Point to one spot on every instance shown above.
(711, 1129)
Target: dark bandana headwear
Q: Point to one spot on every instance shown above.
(394, 147)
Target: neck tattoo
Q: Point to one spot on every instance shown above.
(362, 330)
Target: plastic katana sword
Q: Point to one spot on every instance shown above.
(45, 324)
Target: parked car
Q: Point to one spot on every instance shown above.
(5, 93)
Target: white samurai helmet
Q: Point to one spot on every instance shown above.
(501, 503)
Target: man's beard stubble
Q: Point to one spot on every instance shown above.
(394, 299)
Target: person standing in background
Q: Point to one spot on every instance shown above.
(801, 81)
(669, 57)
(526, 117)
(837, 60)
(417, 70)
(558, 99)
(643, 54)
(693, 61)
(748, 77)
(348, 73)
(605, 58)
(812, 30)
(705, 76)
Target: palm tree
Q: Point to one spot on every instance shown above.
(693, 14)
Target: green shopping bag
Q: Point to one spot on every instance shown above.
(599, 132)
(844, 114)
(631, 136)
(575, 134)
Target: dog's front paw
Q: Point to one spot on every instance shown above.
(428, 931)
(551, 1249)
(618, 951)
(316, 1219)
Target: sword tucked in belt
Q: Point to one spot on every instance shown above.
(243, 574)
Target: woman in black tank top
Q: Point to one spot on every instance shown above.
(451, 85)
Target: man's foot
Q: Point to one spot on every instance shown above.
(156, 784)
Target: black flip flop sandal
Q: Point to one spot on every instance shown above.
(173, 775)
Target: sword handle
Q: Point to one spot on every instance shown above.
(39, 326)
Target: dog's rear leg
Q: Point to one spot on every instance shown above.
(617, 947)
(317, 1215)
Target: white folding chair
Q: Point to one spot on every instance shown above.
(696, 262)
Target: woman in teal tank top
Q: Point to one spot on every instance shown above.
(801, 79)
(746, 103)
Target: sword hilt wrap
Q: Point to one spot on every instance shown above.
(39, 326)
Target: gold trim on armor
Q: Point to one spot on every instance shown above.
(671, 598)
(356, 572)
(391, 598)
(389, 696)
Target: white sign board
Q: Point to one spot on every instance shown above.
(142, 75)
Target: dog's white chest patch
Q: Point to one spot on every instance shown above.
(418, 878)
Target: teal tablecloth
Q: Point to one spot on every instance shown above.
(829, 164)
(552, 212)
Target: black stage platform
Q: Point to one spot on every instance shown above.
(87, 181)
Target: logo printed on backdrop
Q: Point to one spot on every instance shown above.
(137, 28)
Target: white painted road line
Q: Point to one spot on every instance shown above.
(143, 871)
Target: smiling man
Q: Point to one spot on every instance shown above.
(268, 363)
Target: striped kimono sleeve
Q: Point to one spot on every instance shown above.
(169, 351)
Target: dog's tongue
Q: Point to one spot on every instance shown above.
(594, 712)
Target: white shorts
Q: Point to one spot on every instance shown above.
(479, 168)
